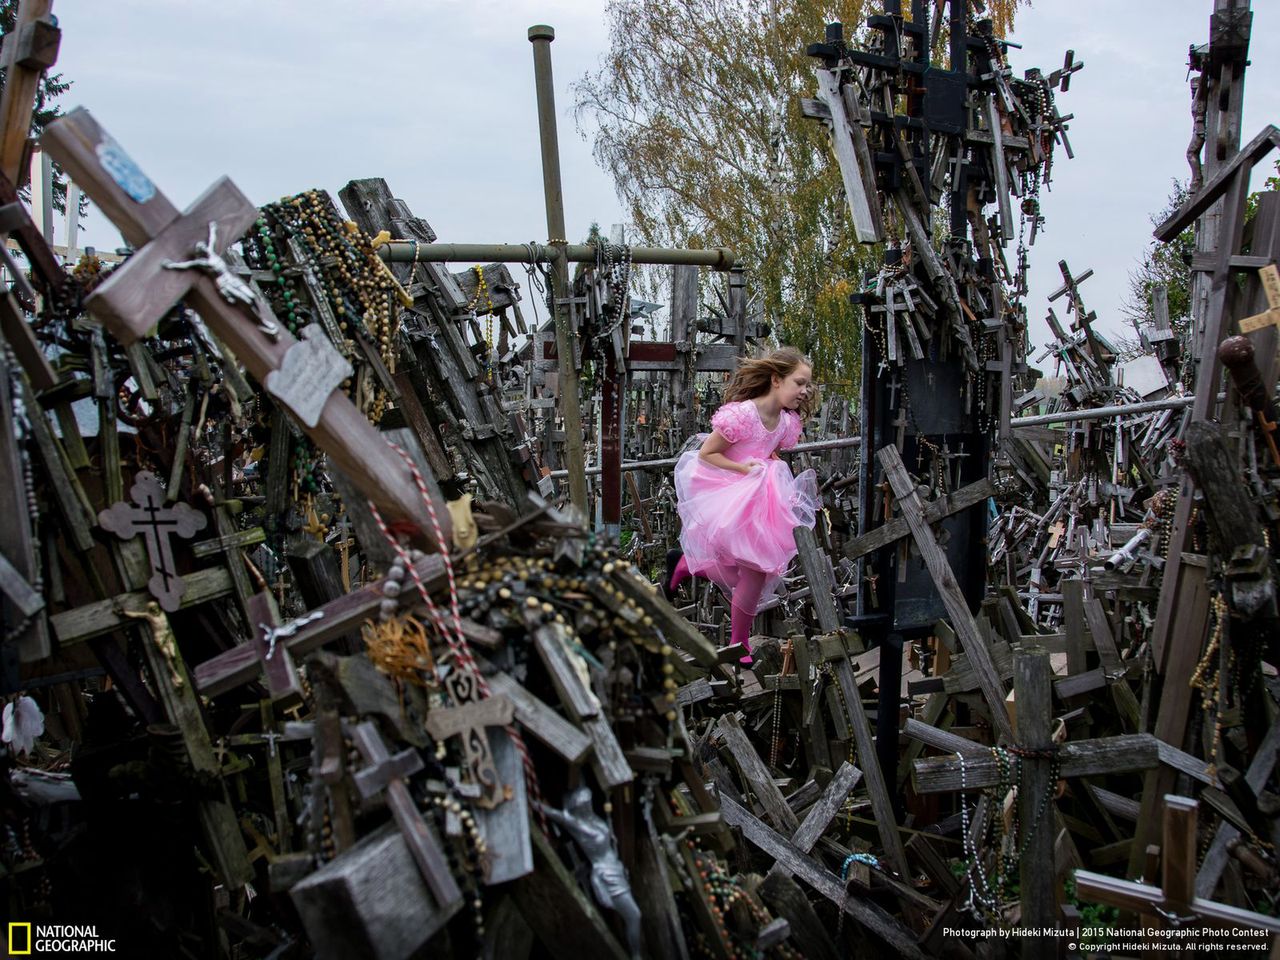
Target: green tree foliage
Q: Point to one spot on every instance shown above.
(1167, 265)
(46, 111)
(695, 113)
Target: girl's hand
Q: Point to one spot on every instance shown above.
(752, 464)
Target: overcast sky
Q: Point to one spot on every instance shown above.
(437, 97)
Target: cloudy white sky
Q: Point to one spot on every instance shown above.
(436, 96)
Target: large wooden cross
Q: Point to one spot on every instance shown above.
(1174, 903)
(142, 290)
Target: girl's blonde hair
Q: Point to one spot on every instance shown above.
(754, 378)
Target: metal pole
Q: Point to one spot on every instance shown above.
(667, 464)
(541, 36)
(409, 251)
(1102, 413)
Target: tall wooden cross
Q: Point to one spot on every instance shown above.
(141, 291)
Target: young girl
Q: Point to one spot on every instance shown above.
(738, 501)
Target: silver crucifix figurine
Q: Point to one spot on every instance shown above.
(609, 880)
(230, 287)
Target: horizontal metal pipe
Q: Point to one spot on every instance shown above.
(667, 464)
(1102, 413)
(407, 251)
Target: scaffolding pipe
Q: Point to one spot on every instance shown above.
(1103, 413)
(410, 251)
(667, 464)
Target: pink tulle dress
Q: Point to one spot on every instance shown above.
(732, 520)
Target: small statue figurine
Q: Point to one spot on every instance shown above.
(230, 287)
(608, 876)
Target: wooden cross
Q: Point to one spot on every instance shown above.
(142, 290)
(948, 588)
(156, 522)
(1174, 902)
(1069, 66)
(29, 50)
(385, 772)
(934, 511)
(1270, 278)
(1071, 287)
(282, 679)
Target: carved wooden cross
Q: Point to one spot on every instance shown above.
(141, 291)
(156, 522)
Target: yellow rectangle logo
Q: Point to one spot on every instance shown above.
(13, 950)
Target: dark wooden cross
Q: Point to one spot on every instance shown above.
(385, 772)
(156, 523)
(142, 290)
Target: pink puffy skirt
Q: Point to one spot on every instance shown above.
(731, 521)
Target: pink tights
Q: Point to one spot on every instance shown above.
(746, 597)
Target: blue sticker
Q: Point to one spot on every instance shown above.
(124, 171)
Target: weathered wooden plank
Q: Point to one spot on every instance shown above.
(559, 912)
(877, 789)
(1084, 758)
(817, 573)
(859, 184)
(1038, 882)
(948, 589)
(370, 902)
(542, 721)
(675, 628)
(571, 686)
(505, 828)
(756, 775)
(1257, 148)
(16, 542)
(785, 898)
(104, 616)
(827, 807)
(608, 760)
(172, 683)
(871, 916)
(1260, 769)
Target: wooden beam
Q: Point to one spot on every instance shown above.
(803, 867)
(1195, 206)
(944, 578)
(1038, 880)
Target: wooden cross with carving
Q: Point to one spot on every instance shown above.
(156, 522)
(142, 290)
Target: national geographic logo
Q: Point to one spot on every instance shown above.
(26, 939)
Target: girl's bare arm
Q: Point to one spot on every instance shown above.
(712, 452)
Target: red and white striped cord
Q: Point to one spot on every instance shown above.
(456, 640)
